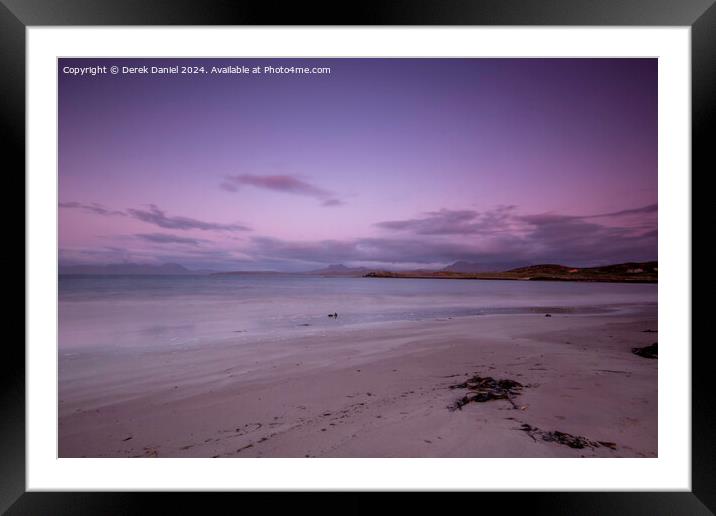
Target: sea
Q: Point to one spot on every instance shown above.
(181, 311)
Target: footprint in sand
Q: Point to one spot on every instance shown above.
(151, 452)
(247, 428)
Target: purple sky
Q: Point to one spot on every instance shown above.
(395, 163)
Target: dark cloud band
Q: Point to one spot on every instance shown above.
(281, 183)
(154, 215)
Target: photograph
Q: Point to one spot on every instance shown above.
(375, 257)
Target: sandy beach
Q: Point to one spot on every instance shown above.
(358, 258)
(377, 390)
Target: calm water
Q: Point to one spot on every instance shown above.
(120, 311)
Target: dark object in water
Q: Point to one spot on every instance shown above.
(548, 315)
(647, 351)
(486, 388)
(335, 315)
(573, 441)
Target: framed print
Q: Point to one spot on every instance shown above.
(441, 248)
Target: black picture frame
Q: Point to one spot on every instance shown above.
(17, 15)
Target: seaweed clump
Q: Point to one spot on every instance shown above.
(573, 441)
(486, 388)
(647, 351)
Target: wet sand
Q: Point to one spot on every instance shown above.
(380, 390)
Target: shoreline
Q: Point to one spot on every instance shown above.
(468, 278)
(497, 276)
(372, 392)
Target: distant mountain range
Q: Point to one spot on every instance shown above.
(135, 269)
(633, 272)
(341, 270)
(463, 266)
(248, 273)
